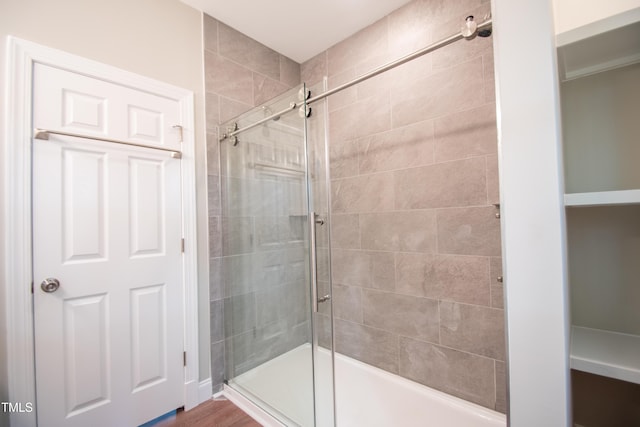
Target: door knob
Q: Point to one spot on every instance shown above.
(50, 285)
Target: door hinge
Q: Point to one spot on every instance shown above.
(182, 245)
(184, 358)
(32, 287)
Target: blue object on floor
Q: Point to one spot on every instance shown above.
(169, 414)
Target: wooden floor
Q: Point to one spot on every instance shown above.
(212, 413)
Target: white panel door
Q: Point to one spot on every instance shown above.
(79, 104)
(107, 226)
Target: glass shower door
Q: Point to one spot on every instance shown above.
(277, 346)
(316, 131)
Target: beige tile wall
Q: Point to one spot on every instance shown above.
(416, 242)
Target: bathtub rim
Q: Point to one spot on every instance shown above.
(441, 396)
(268, 420)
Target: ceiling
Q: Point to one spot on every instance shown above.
(298, 29)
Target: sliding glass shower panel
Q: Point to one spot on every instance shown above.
(267, 262)
(316, 133)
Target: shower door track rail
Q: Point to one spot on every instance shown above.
(485, 25)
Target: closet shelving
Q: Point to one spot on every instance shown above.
(602, 198)
(606, 353)
(600, 91)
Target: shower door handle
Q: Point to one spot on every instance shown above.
(313, 261)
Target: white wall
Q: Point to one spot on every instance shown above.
(571, 14)
(533, 223)
(161, 39)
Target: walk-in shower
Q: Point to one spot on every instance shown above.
(276, 229)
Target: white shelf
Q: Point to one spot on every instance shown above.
(606, 353)
(603, 45)
(605, 25)
(603, 198)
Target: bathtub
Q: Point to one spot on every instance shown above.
(365, 396)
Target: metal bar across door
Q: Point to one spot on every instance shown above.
(44, 134)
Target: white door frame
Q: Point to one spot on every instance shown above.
(21, 55)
